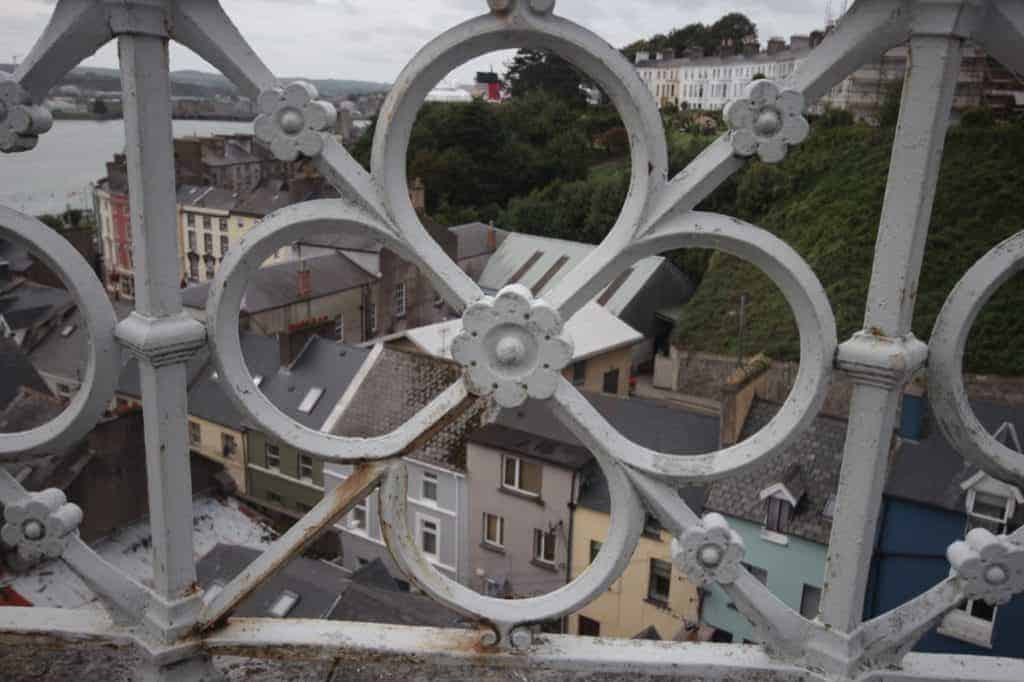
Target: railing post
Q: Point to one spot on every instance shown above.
(884, 356)
(159, 334)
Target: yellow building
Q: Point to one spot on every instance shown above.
(651, 598)
(221, 444)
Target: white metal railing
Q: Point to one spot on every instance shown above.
(513, 348)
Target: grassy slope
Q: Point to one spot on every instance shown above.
(825, 201)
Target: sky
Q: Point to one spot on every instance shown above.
(374, 39)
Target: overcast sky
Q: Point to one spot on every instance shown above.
(373, 39)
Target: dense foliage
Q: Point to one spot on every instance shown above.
(727, 34)
(825, 200)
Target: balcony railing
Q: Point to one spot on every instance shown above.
(166, 620)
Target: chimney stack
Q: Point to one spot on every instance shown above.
(492, 238)
(799, 42)
(776, 45)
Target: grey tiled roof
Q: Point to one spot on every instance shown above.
(29, 303)
(207, 398)
(16, 372)
(815, 457)
(533, 430)
(200, 196)
(323, 364)
(930, 471)
(278, 285)
(65, 356)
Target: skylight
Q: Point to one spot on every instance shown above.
(258, 379)
(284, 604)
(68, 330)
(311, 399)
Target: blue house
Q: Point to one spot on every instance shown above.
(932, 498)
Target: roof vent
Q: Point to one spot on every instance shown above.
(284, 604)
(311, 399)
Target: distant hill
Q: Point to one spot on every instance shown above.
(825, 201)
(188, 82)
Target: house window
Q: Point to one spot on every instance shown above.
(228, 446)
(579, 373)
(429, 536)
(193, 268)
(207, 223)
(810, 600)
(400, 300)
(223, 224)
(589, 627)
(190, 218)
(224, 243)
(273, 457)
(211, 269)
(428, 490)
(275, 497)
(208, 244)
(195, 433)
(339, 328)
(659, 582)
(544, 546)
(306, 468)
(371, 317)
(357, 517)
(778, 514)
(494, 530)
(611, 382)
(760, 574)
(283, 605)
(985, 510)
(522, 476)
(595, 548)
(191, 240)
(241, 223)
(492, 588)
(312, 398)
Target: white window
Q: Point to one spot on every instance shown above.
(273, 457)
(283, 605)
(400, 300)
(989, 511)
(429, 535)
(306, 468)
(339, 328)
(544, 546)
(357, 517)
(371, 317)
(190, 218)
(311, 399)
(494, 530)
(428, 489)
(522, 476)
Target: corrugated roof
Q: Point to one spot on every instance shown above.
(517, 250)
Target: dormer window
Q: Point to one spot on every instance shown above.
(781, 500)
(283, 605)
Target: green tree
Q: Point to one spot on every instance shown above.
(889, 111)
(732, 31)
(692, 36)
(533, 70)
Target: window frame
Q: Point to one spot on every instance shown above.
(195, 433)
(804, 604)
(500, 542)
(228, 445)
(541, 541)
(429, 478)
(305, 463)
(422, 521)
(353, 522)
(518, 476)
(399, 300)
(656, 571)
(272, 452)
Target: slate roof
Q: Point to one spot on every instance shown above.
(207, 398)
(17, 256)
(534, 431)
(325, 591)
(730, 60)
(233, 153)
(517, 250)
(278, 285)
(214, 198)
(16, 373)
(930, 471)
(818, 455)
(129, 382)
(65, 356)
(27, 409)
(471, 239)
(268, 197)
(29, 303)
(323, 364)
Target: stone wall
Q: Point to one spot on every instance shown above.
(705, 374)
